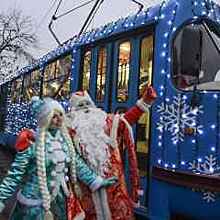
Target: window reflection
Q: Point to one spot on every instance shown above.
(101, 75)
(146, 62)
(196, 59)
(123, 71)
(143, 125)
(16, 87)
(32, 83)
(143, 142)
(57, 79)
(86, 70)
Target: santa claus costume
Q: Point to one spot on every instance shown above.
(103, 139)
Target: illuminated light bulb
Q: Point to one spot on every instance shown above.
(183, 162)
(163, 54)
(213, 149)
(199, 160)
(200, 132)
(195, 3)
(162, 16)
(174, 29)
(166, 34)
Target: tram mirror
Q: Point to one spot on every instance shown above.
(190, 56)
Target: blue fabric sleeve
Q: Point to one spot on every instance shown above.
(15, 174)
(84, 173)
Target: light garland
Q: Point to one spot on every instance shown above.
(165, 13)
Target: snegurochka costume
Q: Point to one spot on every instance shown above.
(45, 160)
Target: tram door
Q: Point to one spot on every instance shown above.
(115, 74)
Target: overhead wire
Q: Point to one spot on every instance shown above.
(73, 9)
(52, 3)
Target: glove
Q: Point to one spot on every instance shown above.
(147, 99)
(149, 95)
(109, 181)
(24, 139)
(2, 206)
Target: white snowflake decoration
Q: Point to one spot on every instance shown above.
(209, 167)
(175, 117)
(209, 196)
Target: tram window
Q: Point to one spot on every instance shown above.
(123, 71)
(146, 60)
(143, 125)
(86, 70)
(32, 83)
(16, 87)
(57, 85)
(101, 75)
(143, 133)
(196, 57)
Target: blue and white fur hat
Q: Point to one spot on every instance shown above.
(44, 110)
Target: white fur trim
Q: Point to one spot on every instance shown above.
(96, 184)
(129, 127)
(114, 130)
(2, 206)
(143, 105)
(80, 216)
(28, 201)
(101, 205)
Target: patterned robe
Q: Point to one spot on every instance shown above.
(115, 203)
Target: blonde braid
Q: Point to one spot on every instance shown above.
(41, 170)
(72, 153)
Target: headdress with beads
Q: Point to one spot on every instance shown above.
(44, 109)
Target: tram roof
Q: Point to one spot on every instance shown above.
(143, 18)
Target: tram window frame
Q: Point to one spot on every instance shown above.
(194, 80)
(147, 133)
(151, 79)
(62, 79)
(129, 73)
(105, 48)
(33, 83)
(18, 100)
(82, 59)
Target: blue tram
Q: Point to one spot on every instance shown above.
(175, 47)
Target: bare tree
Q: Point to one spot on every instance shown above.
(17, 37)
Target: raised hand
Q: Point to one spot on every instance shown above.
(149, 95)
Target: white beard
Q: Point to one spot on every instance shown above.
(89, 127)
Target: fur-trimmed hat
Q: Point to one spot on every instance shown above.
(44, 109)
(80, 100)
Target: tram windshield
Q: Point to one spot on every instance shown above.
(196, 57)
